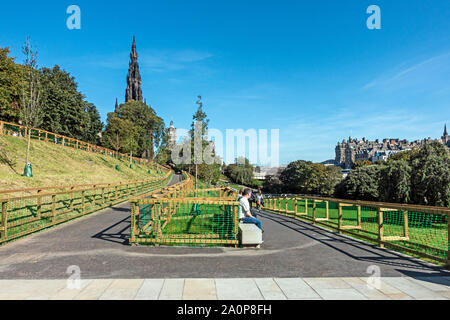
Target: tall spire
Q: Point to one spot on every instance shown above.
(116, 109)
(445, 130)
(134, 91)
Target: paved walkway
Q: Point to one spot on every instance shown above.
(293, 255)
(397, 288)
(98, 245)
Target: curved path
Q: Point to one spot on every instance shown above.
(98, 244)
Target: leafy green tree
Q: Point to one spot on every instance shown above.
(361, 184)
(430, 175)
(11, 78)
(332, 177)
(119, 134)
(150, 127)
(395, 182)
(272, 184)
(65, 110)
(93, 126)
(404, 155)
(361, 163)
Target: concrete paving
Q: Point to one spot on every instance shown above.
(391, 288)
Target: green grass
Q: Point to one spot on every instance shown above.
(428, 233)
(56, 165)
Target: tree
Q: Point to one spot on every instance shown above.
(272, 184)
(307, 178)
(93, 126)
(332, 177)
(395, 184)
(119, 134)
(430, 175)
(66, 111)
(150, 127)
(11, 78)
(241, 172)
(30, 106)
(200, 146)
(361, 184)
(361, 163)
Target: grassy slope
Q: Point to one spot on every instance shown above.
(55, 165)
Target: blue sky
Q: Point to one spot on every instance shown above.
(309, 68)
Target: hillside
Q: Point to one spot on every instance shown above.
(55, 165)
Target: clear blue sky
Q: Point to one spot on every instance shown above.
(309, 68)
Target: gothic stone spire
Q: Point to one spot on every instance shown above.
(134, 91)
(117, 107)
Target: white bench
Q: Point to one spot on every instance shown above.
(250, 235)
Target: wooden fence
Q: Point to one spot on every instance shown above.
(173, 216)
(423, 231)
(24, 215)
(16, 130)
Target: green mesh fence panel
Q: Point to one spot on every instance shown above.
(419, 232)
(179, 222)
(29, 214)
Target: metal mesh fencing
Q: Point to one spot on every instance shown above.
(21, 216)
(184, 222)
(418, 230)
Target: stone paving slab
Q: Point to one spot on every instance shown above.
(150, 289)
(199, 289)
(237, 289)
(172, 289)
(296, 288)
(349, 288)
(270, 289)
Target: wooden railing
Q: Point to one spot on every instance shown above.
(423, 231)
(16, 130)
(162, 217)
(24, 215)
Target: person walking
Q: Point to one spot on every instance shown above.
(259, 200)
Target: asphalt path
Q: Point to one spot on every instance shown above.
(98, 245)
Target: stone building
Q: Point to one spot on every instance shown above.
(351, 150)
(172, 133)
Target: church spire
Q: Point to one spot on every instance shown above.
(445, 130)
(134, 91)
(116, 109)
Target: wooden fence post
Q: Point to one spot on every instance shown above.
(53, 208)
(71, 198)
(448, 235)
(1, 127)
(103, 197)
(380, 227)
(4, 220)
(359, 215)
(314, 211)
(82, 202)
(295, 206)
(286, 205)
(95, 195)
(38, 205)
(405, 223)
(339, 218)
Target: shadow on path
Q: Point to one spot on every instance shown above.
(338, 242)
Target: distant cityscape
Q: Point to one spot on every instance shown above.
(351, 150)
